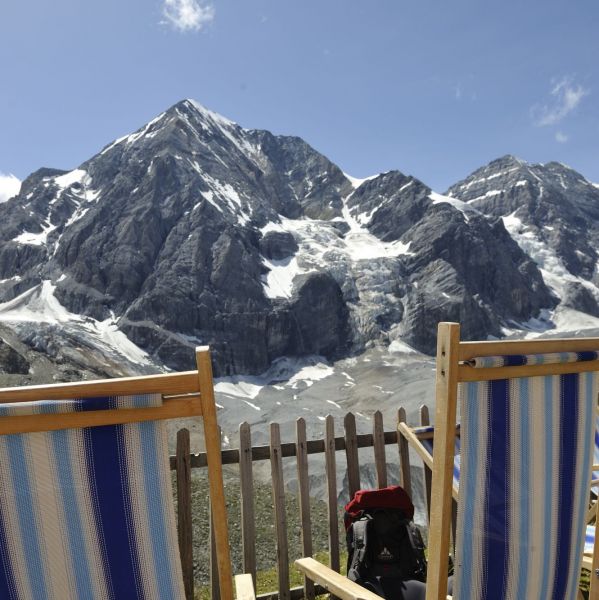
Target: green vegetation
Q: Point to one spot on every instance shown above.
(267, 580)
(265, 532)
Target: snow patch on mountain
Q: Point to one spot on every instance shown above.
(207, 113)
(68, 179)
(479, 180)
(399, 347)
(488, 194)
(289, 373)
(240, 387)
(556, 276)
(211, 120)
(360, 244)
(278, 282)
(463, 207)
(35, 239)
(321, 245)
(356, 182)
(40, 305)
(570, 320)
(229, 195)
(311, 373)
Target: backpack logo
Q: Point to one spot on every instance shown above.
(385, 555)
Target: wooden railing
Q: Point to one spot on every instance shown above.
(182, 462)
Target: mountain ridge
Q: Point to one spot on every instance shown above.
(193, 229)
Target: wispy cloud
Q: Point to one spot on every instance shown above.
(9, 187)
(561, 137)
(187, 15)
(565, 97)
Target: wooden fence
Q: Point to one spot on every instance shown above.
(183, 461)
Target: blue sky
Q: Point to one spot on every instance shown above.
(434, 89)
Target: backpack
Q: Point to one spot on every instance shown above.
(383, 543)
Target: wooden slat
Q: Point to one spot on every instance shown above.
(278, 500)
(170, 409)
(248, 519)
(169, 384)
(428, 474)
(231, 457)
(378, 434)
(468, 350)
(215, 473)
(454, 524)
(296, 593)
(244, 587)
(214, 579)
(594, 589)
(445, 421)
(466, 373)
(423, 435)
(333, 582)
(351, 454)
(331, 474)
(304, 499)
(406, 432)
(590, 515)
(404, 456)
(184, 528)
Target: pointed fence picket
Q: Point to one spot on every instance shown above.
(183, 461)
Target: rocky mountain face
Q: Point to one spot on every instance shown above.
(195, 230)
(552, 212)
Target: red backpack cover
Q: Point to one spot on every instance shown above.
(394, 497)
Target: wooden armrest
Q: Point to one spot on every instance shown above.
(244, 587)
(333, 582)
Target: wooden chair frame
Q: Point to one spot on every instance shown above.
(187, 394)
(452, 369)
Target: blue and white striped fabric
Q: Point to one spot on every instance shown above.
(589, 540)
(596, 455)
(527, 446)
(87, 513)
(517, 360)
(428, 444)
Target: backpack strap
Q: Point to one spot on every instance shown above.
(360, 546)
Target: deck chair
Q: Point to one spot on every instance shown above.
(527, 436)
(421, 439)
(86, 506)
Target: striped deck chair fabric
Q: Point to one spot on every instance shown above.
(589, 539)
(595, 488)
(88, 513)
(526, 457)
(428, 445)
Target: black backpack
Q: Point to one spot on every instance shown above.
(383, 543)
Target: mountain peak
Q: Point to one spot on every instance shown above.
(193, 106)
(506, 161)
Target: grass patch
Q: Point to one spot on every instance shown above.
(265, 533)
(267, 580)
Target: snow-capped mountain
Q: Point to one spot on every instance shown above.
(196, 230)
(552, 212)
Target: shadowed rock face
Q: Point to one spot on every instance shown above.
(11, 362)
(194, 230)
